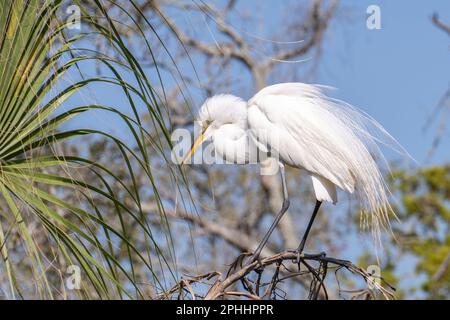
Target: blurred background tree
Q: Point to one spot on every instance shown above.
(202, 48)
(425, 231)
(218, 49)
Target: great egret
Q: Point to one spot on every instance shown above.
(298, 125)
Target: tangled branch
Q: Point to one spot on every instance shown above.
(282, 267)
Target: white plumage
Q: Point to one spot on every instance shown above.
(302, 127)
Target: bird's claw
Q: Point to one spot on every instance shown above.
(301, 255)
(252, 259)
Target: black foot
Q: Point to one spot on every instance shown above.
(240, 262)
(254, 258)
(300, 255)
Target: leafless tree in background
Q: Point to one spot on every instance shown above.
(236, 48)
(218, 47)
(230, 54)
(238, 213)
(444, 102)
(232, 211)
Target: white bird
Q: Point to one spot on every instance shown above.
(298, 125)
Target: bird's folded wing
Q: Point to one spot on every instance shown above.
(302, 137)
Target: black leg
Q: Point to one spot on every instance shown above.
(308, 228)
(278, 217)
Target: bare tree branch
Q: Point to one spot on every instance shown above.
(219, 288)
(216, 50)
(317, 22)
(440, 24)
(237, 48)
(236, 238)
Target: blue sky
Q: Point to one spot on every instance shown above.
(396, 74)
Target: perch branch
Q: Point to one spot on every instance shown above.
(239, 272)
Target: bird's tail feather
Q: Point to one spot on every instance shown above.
(370, 188)
(361, 136)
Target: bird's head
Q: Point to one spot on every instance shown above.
(216, 112)
(222, 109)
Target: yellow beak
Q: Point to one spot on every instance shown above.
(198, 142)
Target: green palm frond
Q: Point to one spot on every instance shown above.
(36, 173)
